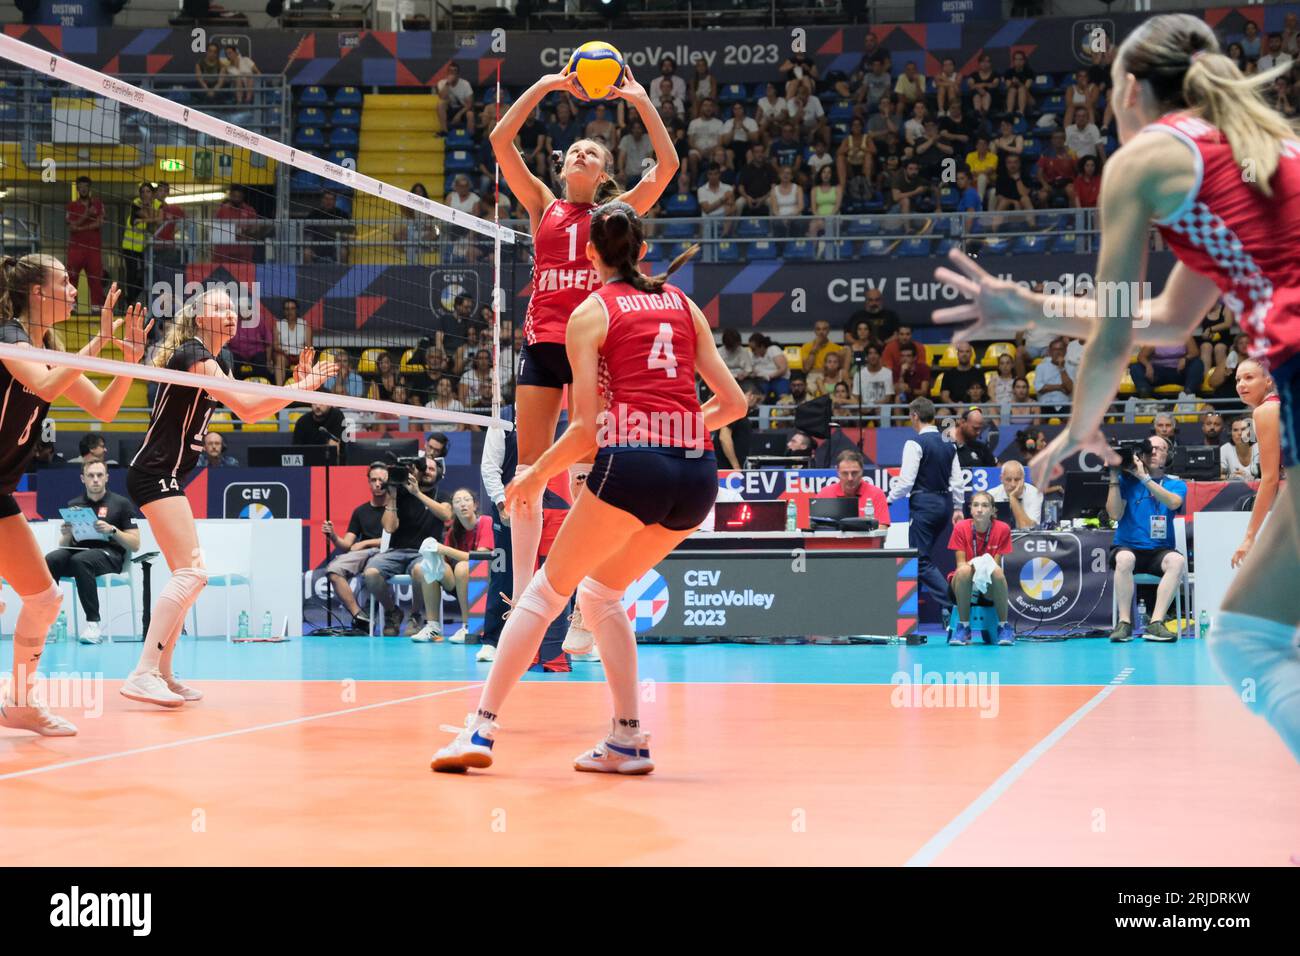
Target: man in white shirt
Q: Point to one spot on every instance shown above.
(910, 87)
(1026, 500)
(1083, 138)
(717, 198)
(807, 111)
(455, 100)
(1052, 380)
(1275, 55)
(873, 383)
(704, 133)
(633, 150)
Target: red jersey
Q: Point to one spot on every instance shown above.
(237, 253)
(996, 541)
(562, 273)
(85, 238)
(1245, 241)
(647, 370)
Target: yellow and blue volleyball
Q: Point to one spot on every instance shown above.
(600, 68)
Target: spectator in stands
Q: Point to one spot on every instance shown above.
(1003, 381)
(733, 441)
(931, 150)
(799, 72)
(1167, 365)
(420, 385)
(911, 375)
(822, 380)
(85, 219)
(635, 154)
(563, 132)
(1212, 428)
(463, 198)
(947, 84)
(456, 101)
(387, 385)
(1144, 501)
(1087, 184)
(1282, 96)
(211, 74)
(872, 52)
(416, 233)
(856, 340)
(704, 133)
(786, 202)
(347, 381)
(983, 166)
(914, 126)
(85, 560)
(602, 127)
(533, 144)
(214, 452)
(955, 130)
(1029, 442)
(323, 239)
(92, 448)
(474, 340)
(1008, 142)
(668, 71)
(1237, 55)
(325, 425)
(1164, 426)
(739, 360)
(1053, 381)
(798, 391)
(754, 183)
(142, 219)
(1013, 188)
(813, 354)
(873, 383)
(787, 149)
(954, 383)
(253, 345)
(849, 466)
(1026, 501)
(45, 456)
(910, 88)
(876, 86)
(1291, 34)
(241, 70)
(884, 322)
(669, 102)
(979, 536)
(856, 153)
(167, 256)
(1223, 378)
(717, 199)
(1252, 43)
(1239, 458)
(880, 125)
(1276, 55)
(444, 399)
(243, 229)
(1023, 411)
(738, 132)
(809, 117)
(1081, 95)
(1056, 172)
(770, 365)
(971, 451)
(476, 383)
(772, 111)
(292, 335)
(1082, 137)
(814, 161)
(1019, 79)
(703, 86)
(912, 191)
(931, 479)
(1031, 345)
(984, 83)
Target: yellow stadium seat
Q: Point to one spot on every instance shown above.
(1126, 387)
(933, 354)
(258, 379)
(996, 350)
(794, 357)
(221, 421)
(410, 363)
(1030, 378)
(949, 357)
(368, 362)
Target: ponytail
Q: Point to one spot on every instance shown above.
(17, 276)
(184, 326)
(617, 234)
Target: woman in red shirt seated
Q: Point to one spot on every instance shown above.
(469, 531)
(971, 537)
(1087, 185)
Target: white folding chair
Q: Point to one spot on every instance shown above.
(124, 579)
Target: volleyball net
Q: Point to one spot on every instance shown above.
(171, 187)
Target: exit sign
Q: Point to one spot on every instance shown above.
(171, 165)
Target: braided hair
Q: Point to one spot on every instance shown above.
(617, 233)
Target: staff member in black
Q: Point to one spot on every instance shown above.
(83, 561)
(170, 452)
(931, 479)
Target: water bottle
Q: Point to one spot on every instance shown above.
(267, 625)
(1051, 513)
(1204, 625)
(869, 512)
(243, 624)
(1142, 616)
(61, 627)
(791, 516)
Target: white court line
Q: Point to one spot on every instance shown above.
(944, 838)
(231, 733)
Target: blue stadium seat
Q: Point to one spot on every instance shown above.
(753, 229)
(997, 245)
(1054, 104)
(344, 137)
(876, 247)
(759, 90)
(846, 249)
(8, 91)
(729, 93)
(1031, 245)
(653, 252)
(1043, 83)
(273, 96)
(1066, 242)
(177, 94)
(459, 139)
(309, 137)
(1033, 149)
(862, 226)
(310, 116)
(840, 112)
(348, 96)
(948, 198)
(915, 247)
(346, 116)
(314, 96)
(677, 249)
(459, 161)
(682, 204)
(947, 245)
(677, 230)
(1020, 126)
(876, 204)
(342, 157)
(799, 250)
(304, 182)
(728, 251)
(762, 250)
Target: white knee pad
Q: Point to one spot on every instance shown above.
(578, 476)
(1258, 657)
(38, 613)
(542, 599)
(598, 602)
(189, 582)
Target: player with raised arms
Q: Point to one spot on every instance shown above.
(1212, 166)
(562, 279)
(635, 346)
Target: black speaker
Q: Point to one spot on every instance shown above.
(814, 417)
(195, 8)
(275, 8)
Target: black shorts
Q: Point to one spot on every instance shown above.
(9, 506)
(144, 488)
(656, 485)
(545, 364)
(1287, 378)
(1145, 562)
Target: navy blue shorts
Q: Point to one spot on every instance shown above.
(546, 365)
(1287, 378)
(656, 485)
(9, 506)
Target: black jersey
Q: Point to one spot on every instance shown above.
(179, 420)
(21, 414)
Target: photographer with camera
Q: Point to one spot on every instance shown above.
(1143, 501)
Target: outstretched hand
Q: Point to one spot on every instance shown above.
(135, 331)
(999, 309)
(311, 377)
(1045, 467)
(106, 322)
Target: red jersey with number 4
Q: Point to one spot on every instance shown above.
(1245, 241)
(647, 370)
(562, 273)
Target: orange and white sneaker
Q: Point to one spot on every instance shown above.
(35, 717)
(472, 747)
(620, 752)
(175, 685)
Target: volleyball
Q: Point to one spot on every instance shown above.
(600, 68)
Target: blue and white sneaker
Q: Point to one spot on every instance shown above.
(960, 634)
(1006, 634)
(618, 753)
(471, 748)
